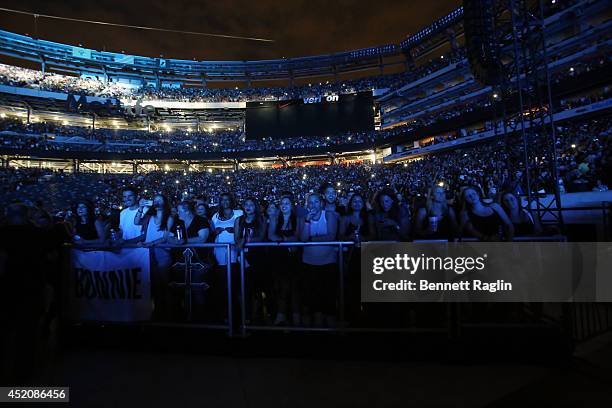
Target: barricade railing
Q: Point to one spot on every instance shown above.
(188, 284)
(579, 317)
(341, 245)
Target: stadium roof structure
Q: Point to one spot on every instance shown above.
(64, 58)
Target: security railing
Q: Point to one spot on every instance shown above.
(582, 321)
(188, 284)
(341, 246)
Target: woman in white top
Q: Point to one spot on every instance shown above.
(319, 278)
(157, 223)
(222, 224)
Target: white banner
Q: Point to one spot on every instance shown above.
(110, 286)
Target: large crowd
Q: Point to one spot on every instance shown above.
(583, 149)
(53, 136)
(28, 78)
(465, 193)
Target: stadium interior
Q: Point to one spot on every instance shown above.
(400, 120)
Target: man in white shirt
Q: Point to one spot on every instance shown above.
(130, 232)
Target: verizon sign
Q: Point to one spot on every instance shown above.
(319, 99)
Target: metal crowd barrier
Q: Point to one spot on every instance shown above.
(340, 244)
(188, 284)
(582, 320)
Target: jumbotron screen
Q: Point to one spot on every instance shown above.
(314, 116)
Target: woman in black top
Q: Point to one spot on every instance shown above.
(251, 227)
(87, 229)
(282, 228)
(201, 210)
(484, 222)
(436, 220)
(392, 221)
(524, 224)
(193, 230)
(357, 226)
(196, 229)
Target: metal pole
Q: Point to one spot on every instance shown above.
(551, 123)
(517, 65)
(242, 297)
(230, 323)
(341, 294)
(150, 250)
(188, 286)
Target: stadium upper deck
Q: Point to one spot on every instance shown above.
(410, 102)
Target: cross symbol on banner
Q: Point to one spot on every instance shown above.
(188, 285)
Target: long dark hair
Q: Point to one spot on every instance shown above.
(90, 219)
(292, 217)
(363, 213)
(394, 212)
(464, 205)
(519, 203)
(257, 217)
(165, 212)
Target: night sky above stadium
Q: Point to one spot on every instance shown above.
(299, 27)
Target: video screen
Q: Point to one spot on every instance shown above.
(322, 115)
